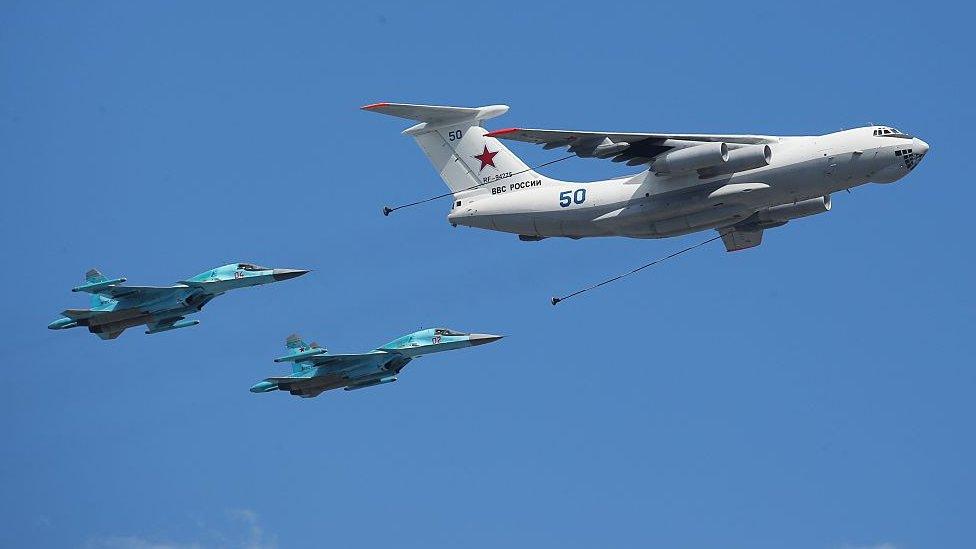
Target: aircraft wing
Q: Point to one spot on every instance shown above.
(88, 317)
(634, 148)
(350, 360)
(736, 240)
(148, 293)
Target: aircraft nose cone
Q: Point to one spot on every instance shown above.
(285, 274)
(920, 147)
(481, 339)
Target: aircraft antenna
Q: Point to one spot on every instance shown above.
(556, 300)
(388, 210)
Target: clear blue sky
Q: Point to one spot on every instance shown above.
(816, 392)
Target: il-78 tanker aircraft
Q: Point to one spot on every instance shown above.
(739, 185)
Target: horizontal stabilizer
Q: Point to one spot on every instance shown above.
(93, 287)
(82, 314)
(299, 351)
(302, 355)
(435, 114)
(93, 317)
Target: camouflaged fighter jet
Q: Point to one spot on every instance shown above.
(161, 308)
(314, 370)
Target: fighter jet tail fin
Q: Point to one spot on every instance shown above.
(456, 144)
(297, 346)
(94, 277)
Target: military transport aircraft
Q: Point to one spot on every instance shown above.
(739, 185)
(161, 308)
(314, 370)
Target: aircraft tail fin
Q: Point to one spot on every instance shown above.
(94, 276)
(455, 142)
(296, 345)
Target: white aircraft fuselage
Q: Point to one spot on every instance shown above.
(647, 205)
(737, 184)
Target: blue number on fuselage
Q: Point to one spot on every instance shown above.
(572, 197)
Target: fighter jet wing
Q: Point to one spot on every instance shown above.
(635, 148)
(88, 317)
(148, 293)
(351, 360)
(736, 240)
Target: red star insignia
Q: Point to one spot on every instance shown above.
(487, 158)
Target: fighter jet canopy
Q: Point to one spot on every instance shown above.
(448, 332)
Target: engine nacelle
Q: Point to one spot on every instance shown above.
(803, 208)
(745, 158)
(692, 158)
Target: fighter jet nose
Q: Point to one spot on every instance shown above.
(481, 339)
(285, 274)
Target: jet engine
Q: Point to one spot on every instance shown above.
(786, 212)
(745, 158)
(692, 158)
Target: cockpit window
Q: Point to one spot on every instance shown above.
(251, 267)
(446, 332)
(892, 132)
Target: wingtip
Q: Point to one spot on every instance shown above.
(503, 131)
(373, 106)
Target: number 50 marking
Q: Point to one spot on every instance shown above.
(572, 197)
